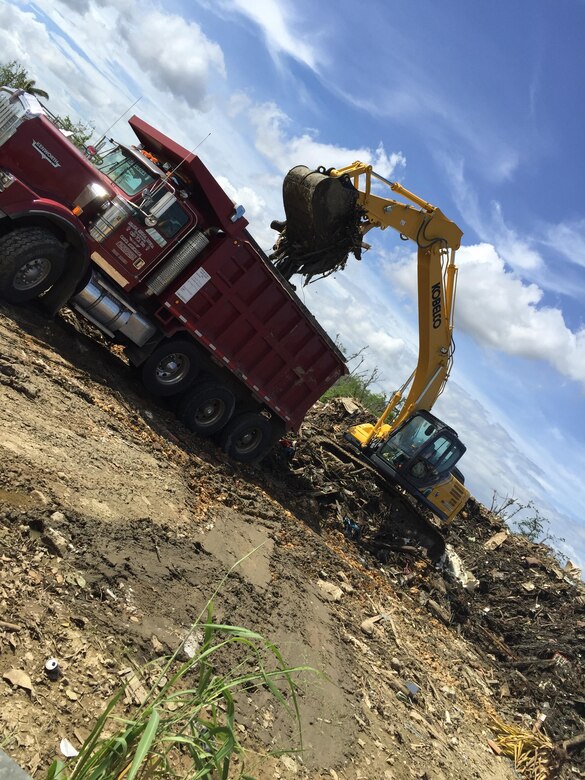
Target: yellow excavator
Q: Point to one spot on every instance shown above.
(328, 212)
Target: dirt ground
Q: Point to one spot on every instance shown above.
(117, 524)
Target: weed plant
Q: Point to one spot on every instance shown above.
(186, 725)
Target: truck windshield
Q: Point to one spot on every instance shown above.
(126, 171)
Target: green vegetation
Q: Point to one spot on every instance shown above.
(357, 384)
(186, 728)
(13, 74)
(526, 520)
(78, 133)
(353, 386)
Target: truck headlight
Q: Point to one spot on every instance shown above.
(99, 190)
(93, 193)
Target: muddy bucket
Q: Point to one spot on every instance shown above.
(322, 223)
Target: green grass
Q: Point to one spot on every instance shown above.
(187, 726)
(353, 387)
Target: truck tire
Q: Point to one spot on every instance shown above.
(207, 408)
(31, 261)
(171, 368)
(249, 437)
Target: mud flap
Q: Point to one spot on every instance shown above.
(65, 287)
(322, 224)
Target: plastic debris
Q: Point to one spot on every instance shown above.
(67, 749)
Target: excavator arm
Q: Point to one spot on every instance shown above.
(324, 210)
(437, 239)
(328, 214)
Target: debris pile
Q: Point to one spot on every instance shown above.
(348, 493)
(510, 597)
(528, 614)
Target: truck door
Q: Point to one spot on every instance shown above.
(138, 238)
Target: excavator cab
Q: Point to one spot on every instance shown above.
(425, 449)
(421, 456)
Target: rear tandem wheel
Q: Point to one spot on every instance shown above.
(171, 368)
(250, 436)
(207, 408)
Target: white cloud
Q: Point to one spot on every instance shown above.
(79, 6)
(277, 23)
(567, 238)
(495, 461)
(502, 312)
(522, 252)
(112, 52)
(256, 210)
(25, 39)
(338, 303)
(285, 149)
(256, 205)
(518, 252)
(410, 94)
(175, 53)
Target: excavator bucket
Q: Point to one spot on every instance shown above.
(322, 224)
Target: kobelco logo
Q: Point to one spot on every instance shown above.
(46, 154)
(436, 304)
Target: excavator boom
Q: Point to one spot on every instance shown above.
(328, 214)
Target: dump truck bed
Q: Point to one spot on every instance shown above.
(235, 305)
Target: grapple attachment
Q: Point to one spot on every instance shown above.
(322, 224)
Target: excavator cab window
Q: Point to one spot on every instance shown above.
(436, 460)
(401, 446)
(422, 451)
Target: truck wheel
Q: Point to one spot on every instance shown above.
(31, 261)
(207, 408)
(171, 368)
(249, 437)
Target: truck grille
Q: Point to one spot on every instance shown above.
(12, 114)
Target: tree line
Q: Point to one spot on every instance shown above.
(15, 75)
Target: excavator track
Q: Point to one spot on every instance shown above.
(409, 521)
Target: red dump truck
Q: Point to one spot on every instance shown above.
(143, 242)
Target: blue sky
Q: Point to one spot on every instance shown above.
(476, 107)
